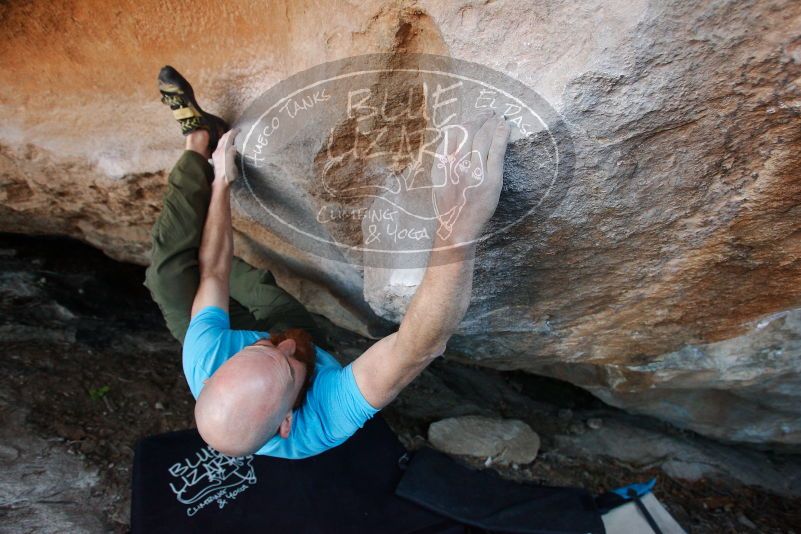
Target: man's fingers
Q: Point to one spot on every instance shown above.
(479, 118)
(231, 136)
(227, 140)
(226, 144)
(471, 127)
(451, 136)
(497, 151)
(482, 141)
(455, 139)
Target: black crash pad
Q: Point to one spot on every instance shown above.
(484, 500)
(181, 485)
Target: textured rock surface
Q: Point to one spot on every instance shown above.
(56, 495)
(664, 276)
(502, 441)
(687, 459)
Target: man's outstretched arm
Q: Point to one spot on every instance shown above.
(443, 296)
(217, 244)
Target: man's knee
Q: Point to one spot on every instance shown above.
(154, 283)
(275, 302)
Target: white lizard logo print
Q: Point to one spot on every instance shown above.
(210, 476)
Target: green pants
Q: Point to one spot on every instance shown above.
(257, 303)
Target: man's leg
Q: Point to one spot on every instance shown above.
(271, 306)
(173, 275)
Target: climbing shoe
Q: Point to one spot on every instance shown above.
(177, 93)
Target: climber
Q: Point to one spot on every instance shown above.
(280, 395)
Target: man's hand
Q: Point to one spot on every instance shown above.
(224, 159)
(444, 294)
(468, 170)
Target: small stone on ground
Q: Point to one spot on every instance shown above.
(501, 441)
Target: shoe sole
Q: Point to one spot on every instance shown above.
(171, 81)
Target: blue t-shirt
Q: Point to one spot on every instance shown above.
(334, 407)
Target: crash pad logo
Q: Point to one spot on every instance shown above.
(345, 160)
(210, 477)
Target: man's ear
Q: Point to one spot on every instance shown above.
(286, 426)
(287, 346)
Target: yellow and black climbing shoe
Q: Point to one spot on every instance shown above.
(177, 93)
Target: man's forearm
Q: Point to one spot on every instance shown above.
(217, 243)
(443, 296)
(437, 308)
(439, 304)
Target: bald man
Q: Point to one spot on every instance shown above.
(280, 394)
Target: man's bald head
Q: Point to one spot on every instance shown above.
(250, 397)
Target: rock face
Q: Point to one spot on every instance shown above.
(46, 469)
(687, 459)
(663, 276)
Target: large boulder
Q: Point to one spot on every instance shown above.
(663, 275)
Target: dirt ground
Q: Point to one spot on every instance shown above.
(88, 361)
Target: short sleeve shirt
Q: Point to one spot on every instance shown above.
(334, 407)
